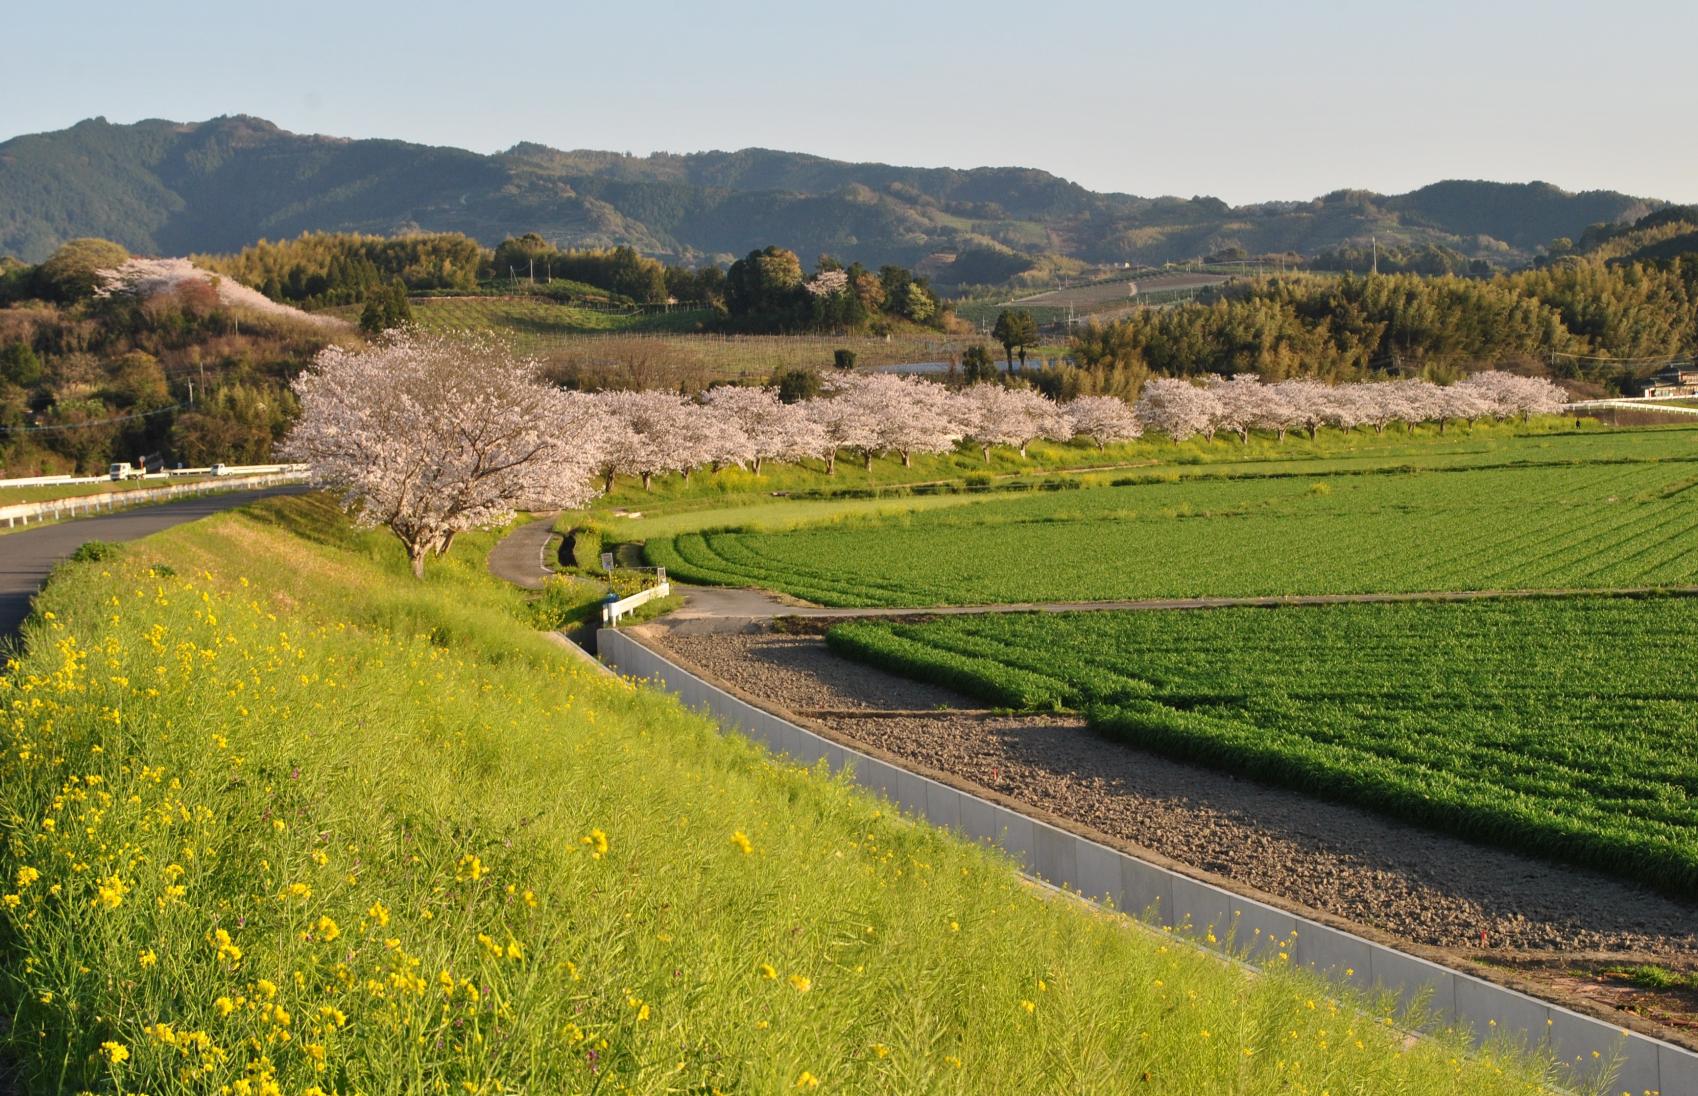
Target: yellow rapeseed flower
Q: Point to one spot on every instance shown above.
(741, 840)
(768, 971)
(147, 959)
(800, 983)
(596, 842)
(807, 1080)
(26, 876)
(327, 930)
(114, 1052)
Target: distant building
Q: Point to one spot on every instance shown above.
(1672, 380)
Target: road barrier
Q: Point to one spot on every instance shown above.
(22, 513)
(1101, 873)
(611, 611)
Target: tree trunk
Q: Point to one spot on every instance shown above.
(416, 557)
(1282, 435)
(1101, 445)
(607, 483)
(1441, 427)
(831, 463)
(1022, 444)
(1313, 430)
(446, 542)
(868, 454)
(1244, 435)
(648, 481)
(686, 474)
(986, 448)
(756, 463)
(1379, 428)
(907, 459)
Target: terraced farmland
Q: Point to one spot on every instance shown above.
(1566, 727)
(1591, 517)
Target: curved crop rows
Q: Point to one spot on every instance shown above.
(1566, 727)
(1586, 526)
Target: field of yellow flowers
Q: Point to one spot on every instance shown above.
(279, 819)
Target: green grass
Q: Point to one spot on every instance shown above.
(1564, 727)
(277, 815)
(1654, 977)
(1586, 511)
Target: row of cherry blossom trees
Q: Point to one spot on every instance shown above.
(881, 413)
(421, 443)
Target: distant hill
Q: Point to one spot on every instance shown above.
(171, 188)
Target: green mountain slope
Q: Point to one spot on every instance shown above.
(164, 187)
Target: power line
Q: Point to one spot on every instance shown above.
(86, 425)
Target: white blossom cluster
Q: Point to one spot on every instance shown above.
(145, 279)
(1240, 404)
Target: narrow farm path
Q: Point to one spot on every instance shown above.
(517, 557)
(710, 609)
(26, 557)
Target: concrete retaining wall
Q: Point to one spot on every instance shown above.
(1102, 873)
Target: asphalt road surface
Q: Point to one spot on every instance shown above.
(26, 557)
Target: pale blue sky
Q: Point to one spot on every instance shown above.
(1246, 101)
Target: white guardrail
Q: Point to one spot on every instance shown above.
(611, 611)
(1637, 403)
(22, 513)
(1059, 857)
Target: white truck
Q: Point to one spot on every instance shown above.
(124, 470)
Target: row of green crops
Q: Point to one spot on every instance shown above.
(1587, 516)
(1566, 727)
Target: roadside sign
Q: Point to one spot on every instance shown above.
(607, 561)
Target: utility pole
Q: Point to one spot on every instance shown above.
(1376, 241)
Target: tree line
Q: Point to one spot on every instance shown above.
(1354, 326)
(432, 435)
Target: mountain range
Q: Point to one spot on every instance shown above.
(170, 188)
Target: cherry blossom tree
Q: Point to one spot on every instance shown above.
(1103, 419)
(907, 415)
(843, 423)
(430, 436)
(1244, 401)
(715, 439)
(993, 415)
(1504, 395)
(1178, 408)
(775, 430)
(656, 435)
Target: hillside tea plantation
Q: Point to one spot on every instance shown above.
(1565, 727)
(280, 820)
(1584, 517)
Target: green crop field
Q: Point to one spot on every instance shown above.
(1565, 727)
(1587, 511)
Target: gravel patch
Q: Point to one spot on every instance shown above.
(1411, 883)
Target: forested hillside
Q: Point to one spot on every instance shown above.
(169, 188)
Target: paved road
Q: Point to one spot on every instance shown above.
(26, 557)
(518, 556)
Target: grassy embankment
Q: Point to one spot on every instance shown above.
(279, 819)
(1550, 726)
(1588, 510)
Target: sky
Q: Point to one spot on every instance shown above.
(1246, 101)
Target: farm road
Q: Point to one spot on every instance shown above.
(518, 556)
(711, 609)
(26, 557)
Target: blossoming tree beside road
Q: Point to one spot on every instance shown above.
(430, 436)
